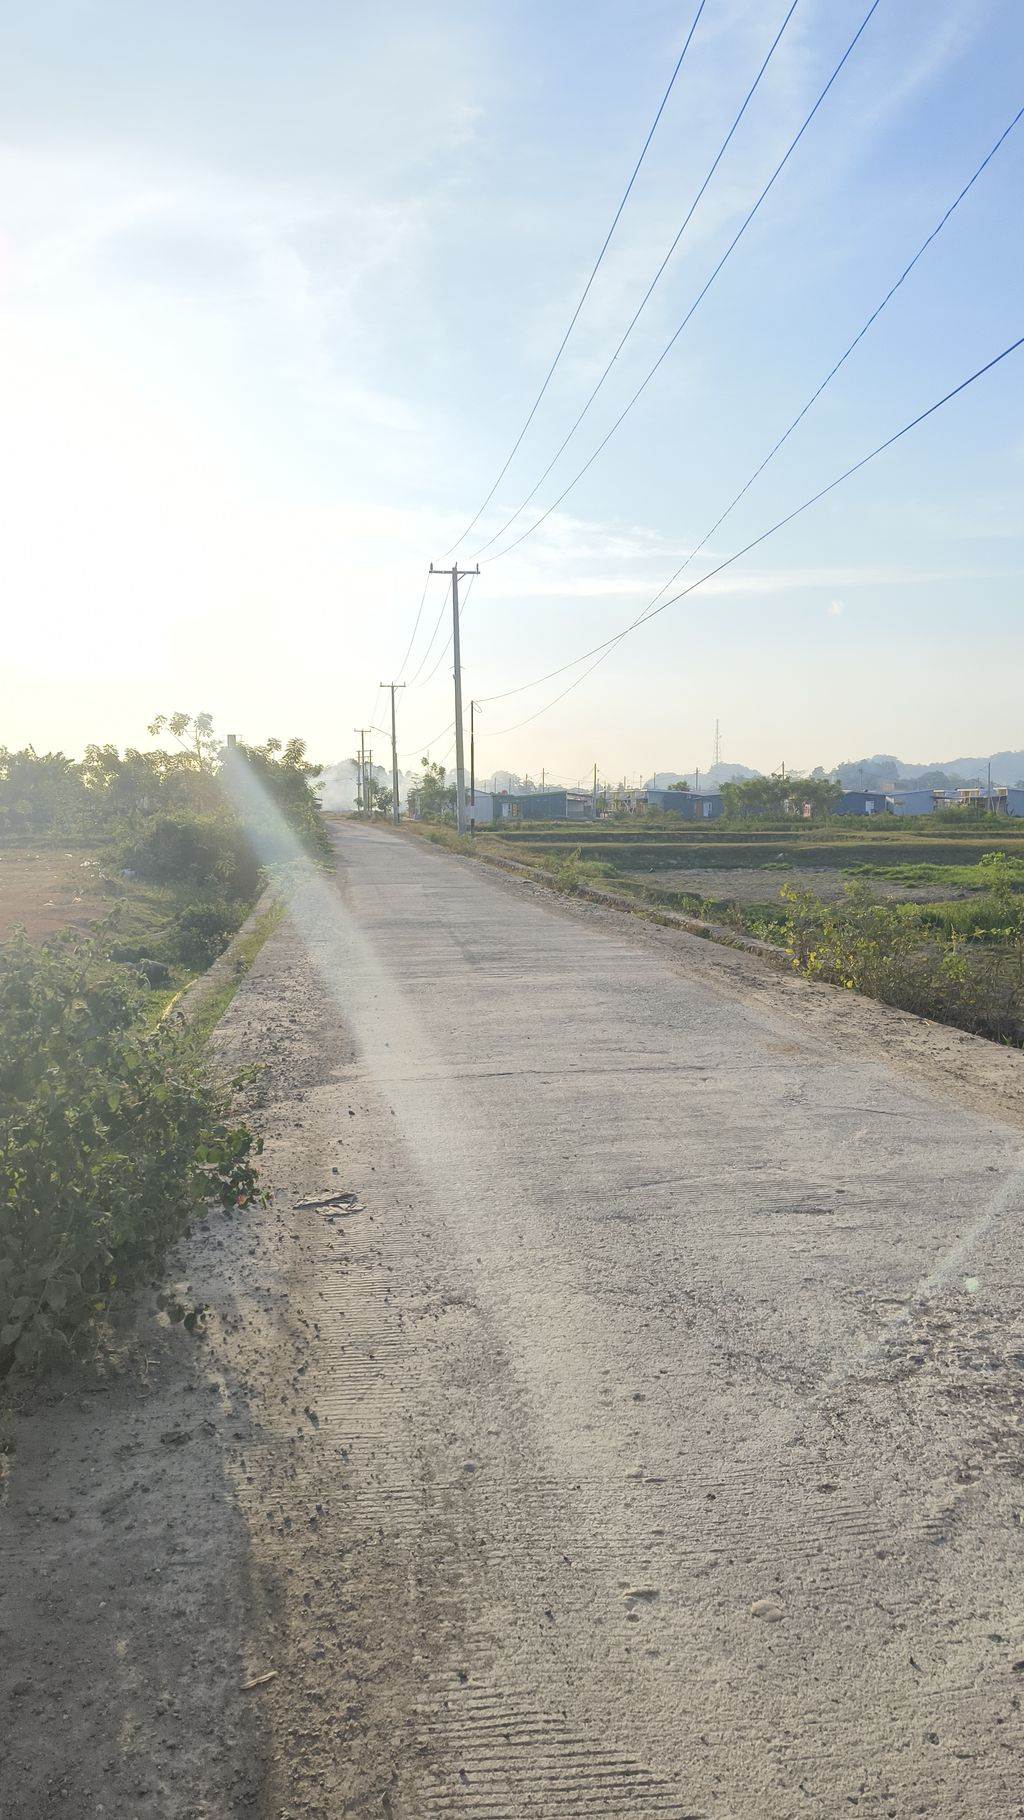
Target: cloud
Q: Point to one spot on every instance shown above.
(579, 557)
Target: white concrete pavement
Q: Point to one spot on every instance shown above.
(664, 1382)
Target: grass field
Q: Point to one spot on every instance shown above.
(761, 884)
(969, 878)
(836, 845)
(879, 832)
(656, 855)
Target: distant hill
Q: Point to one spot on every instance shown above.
(883, 768)
(871, 773)
(1007, 767)
(716, 774)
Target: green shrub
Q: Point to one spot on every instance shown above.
(887, 951)
(988, 918)
(284, 806)
(110, 1143)
(202, 852)
(201, 932)
(567, 871)
(570, 870)
(40, 794)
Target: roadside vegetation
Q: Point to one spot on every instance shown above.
(116, 1128)
(112, 1139)
(961, 964)
(977, 877)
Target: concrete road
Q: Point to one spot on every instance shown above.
(615, 1412)
(661, 1449)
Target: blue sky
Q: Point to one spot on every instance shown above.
(279, 283)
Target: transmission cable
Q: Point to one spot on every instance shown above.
(451, 635)
(411, 684)
(609, 644)
(873, 318)
(416, 626)
(605, 440)
(586, 288)
(925, 244)
(426, 679)
(650, 288)
(425, 744)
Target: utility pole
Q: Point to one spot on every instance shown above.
(394, 752)
(361, 773)
(595, 791)
(474, 708)
(460, 759)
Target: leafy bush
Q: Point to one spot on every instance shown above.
(885, 951)
(774, 796)
(40, 794)
(285, 805)
(572, 871)
(203, 852)
(110, 795)
(201, 932)
(430, 798)
(110, 1143)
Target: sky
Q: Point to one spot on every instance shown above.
(280, 282)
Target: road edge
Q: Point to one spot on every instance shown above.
(983, 1076)
(203, 1002)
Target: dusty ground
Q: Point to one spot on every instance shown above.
(44, 890)
(616, 1412)
(754, 885)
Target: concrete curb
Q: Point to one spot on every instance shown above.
(190, 1003)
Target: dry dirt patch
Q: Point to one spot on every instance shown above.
(46, 889)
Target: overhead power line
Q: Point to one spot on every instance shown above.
(741, 230)
(416, 625)
(609, 644)
(448, 646)
(424, 745)
(801, 414)
(372, 717)
(687, 218)
(444, 653)
(430, 641)
(843, 358)
(586, 289)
